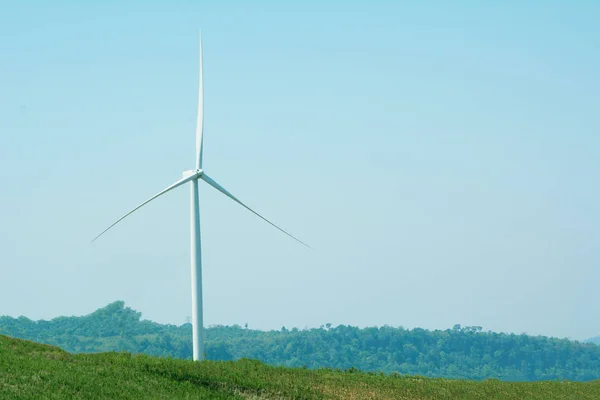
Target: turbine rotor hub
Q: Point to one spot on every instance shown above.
(197, 172)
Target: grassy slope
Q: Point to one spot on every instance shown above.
(33, 371)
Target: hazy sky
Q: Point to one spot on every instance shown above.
(441, 159)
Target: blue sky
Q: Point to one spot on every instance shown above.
(442, 159)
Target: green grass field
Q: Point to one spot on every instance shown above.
(34, 371)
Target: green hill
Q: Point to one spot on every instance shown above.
(34, 371)
(461, 352)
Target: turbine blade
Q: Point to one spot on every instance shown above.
(200, 120)
(173, 186)
(221, 189)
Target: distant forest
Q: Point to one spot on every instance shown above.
(460, 352)
(595, 340)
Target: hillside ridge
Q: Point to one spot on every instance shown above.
(460, 352)
(30, 370)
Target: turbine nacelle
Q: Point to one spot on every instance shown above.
(197, 173)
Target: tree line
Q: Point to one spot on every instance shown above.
(460, 352)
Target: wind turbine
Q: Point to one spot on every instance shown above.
(192, 177)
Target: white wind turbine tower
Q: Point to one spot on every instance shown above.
(192, 177)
